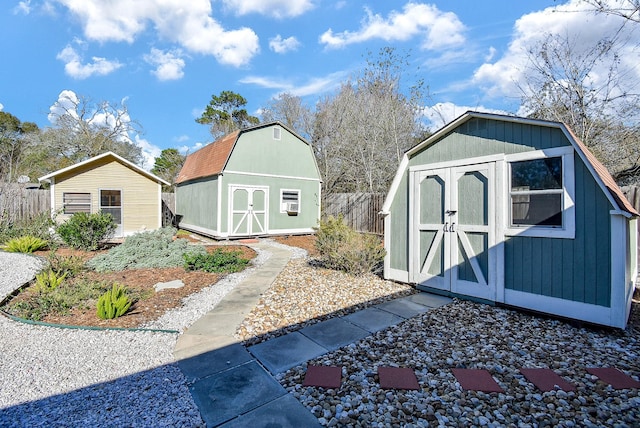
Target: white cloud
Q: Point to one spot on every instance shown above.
(66, 104)
(75, 68)
(314, 86)
(438, 29)
(181, 139)
(281, 46)
(1, 107)
(169, 65)
(274, 8)
(149, 152)
(574, 20)
(441, 114)
(23, 7)
(187, 23)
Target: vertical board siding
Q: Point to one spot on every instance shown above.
(574, 269)
(581, 271)
(197, 203)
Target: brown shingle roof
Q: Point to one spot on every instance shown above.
(209, 160)
(605, 176)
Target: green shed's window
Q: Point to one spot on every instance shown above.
(76, 203)
(289, 201)
(536, 192)
(541, 193)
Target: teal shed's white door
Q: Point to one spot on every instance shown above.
(454, 230)
(248, 210)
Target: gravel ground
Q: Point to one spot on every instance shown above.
(471, 335)
(61, 377)
(73, 377)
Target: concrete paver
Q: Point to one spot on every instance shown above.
(284, 352)
(403, 307)
(281, 412)
(230, 384)
(334, 333)
(225, 395)
(373, 319)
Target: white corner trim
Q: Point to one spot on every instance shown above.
(395, 184)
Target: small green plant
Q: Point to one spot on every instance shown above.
(65, 265)
(342, 248)
(25, 244)
(114, 303)
(48, 281)
(85, 231)
(218, 261)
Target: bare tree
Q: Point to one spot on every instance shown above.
(362, 132)
(627, 9)
(592, 91)
(83, 129)
(291, 111)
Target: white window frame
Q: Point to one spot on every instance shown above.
(75, 204)
(277, 133)
(568, 229)
(283, 209)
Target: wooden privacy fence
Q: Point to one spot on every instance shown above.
(633, 195)
(359, 210)
(18, 203)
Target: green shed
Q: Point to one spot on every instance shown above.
(514, 211)
(257, 181)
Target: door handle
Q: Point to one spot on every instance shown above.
(446, 227)
(451, 228)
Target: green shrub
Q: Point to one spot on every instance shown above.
(85, 231)
(114, 303)
(39, 226)
(153, 249)
(342, 248)
(218, 261)
(25, 244)
(48, 281)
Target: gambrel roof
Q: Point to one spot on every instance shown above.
(597, 169)
(212, 159)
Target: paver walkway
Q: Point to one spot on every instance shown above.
(233, 386)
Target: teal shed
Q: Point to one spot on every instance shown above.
(513, 211)
(257, 181)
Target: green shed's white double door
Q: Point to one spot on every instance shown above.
(248, 210)
(453, 217)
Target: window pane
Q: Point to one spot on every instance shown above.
(110, 198)
(539, 174)
(288, 196)
(537, 209)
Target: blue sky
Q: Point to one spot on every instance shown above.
(165, 58)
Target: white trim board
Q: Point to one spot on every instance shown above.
(256, 174)
(566, 308)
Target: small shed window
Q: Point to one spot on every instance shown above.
(290, 201)
(536, 192)
(76, 203)
(541, 194)
(277, 132)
